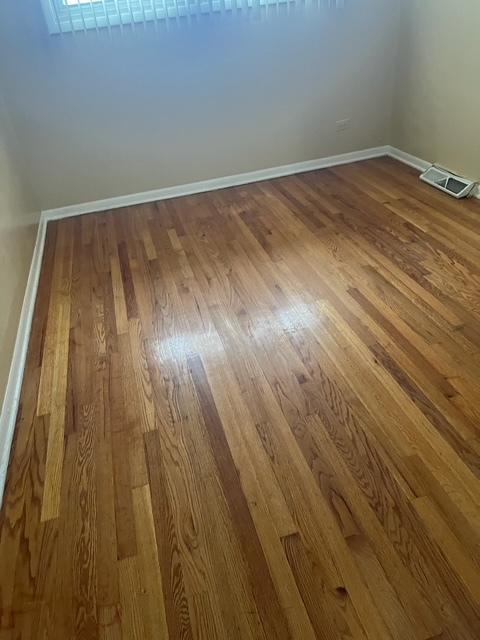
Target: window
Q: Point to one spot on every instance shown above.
(79, 15)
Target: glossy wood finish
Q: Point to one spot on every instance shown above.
(253, 414)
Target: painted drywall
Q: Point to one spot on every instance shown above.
(105, 115)
(18, 226)
(437, 98)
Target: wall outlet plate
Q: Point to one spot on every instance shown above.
(341, 125)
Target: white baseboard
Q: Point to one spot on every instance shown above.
(407, 158)
(8, 416)
(215, 183)
(235, 180)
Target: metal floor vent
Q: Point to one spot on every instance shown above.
(450, 183)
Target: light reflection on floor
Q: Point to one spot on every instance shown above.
(280, 323)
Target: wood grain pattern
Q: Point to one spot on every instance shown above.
(253, 414)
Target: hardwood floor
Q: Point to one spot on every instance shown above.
(253, 414)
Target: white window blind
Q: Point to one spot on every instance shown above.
(64, 16)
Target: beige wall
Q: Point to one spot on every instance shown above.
(17, 235)
(102, 116)
(437, 100)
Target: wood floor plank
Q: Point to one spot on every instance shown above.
(176, 605)
(266, 503)
(56, 396)
(253, 414)
(155, 619)
(271, 615)
(59, 300)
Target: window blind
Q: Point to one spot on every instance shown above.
(65, 16)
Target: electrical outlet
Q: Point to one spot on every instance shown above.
(341, 125)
